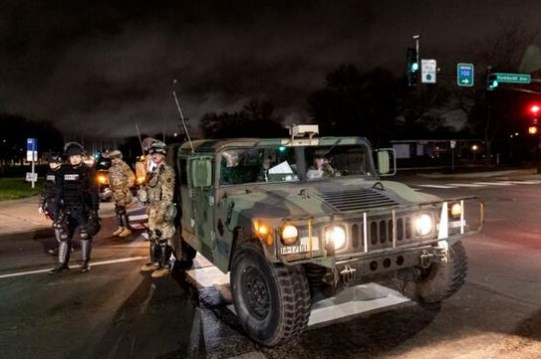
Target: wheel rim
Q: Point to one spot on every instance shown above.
(255, 290)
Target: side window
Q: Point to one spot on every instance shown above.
(183, 172)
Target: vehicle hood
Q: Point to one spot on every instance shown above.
(323, 198)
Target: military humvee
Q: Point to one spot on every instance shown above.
(294, 220)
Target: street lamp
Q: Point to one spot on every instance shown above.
(474, 148)
(417, 38)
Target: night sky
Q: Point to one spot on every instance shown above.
(101, 67)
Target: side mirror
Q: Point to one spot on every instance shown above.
(386, 158)
(201, 172)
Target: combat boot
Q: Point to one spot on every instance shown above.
(86, 248)
(126, 232)
(64, 251)
(118, 231)
(154, 258)
(164, 261)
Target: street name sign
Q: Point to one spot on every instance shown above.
(510, 78)
(31, 149)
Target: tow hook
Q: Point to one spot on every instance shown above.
(439, 256)
(348, 274)
(426, 259)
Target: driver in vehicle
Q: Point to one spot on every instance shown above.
(321, 167)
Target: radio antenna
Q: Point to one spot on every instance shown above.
(140, 140)
(182, 116)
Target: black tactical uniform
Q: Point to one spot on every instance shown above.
(47, 203)
(78, 192)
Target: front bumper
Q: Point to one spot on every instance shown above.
(385, 232)
(364, 268)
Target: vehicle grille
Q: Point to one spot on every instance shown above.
(379, 232)
(356, 200)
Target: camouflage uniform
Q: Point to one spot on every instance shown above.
(159, 192)
(121, 179)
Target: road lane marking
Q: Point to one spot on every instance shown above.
(434, 186)
(352, 301)
(138, 226)
(138, 217)
(494, 183)
(93, 264)
(465, 185)
(526, 182)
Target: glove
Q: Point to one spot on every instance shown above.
(142, 195)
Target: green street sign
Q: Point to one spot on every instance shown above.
(465, 75)
(512, 78)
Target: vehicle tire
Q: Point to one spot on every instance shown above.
(440, 280)
(272, 301)
(183, 251)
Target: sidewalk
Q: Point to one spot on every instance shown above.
(22, 216)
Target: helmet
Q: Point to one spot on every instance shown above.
(73, 149)
(94, 225)
(114, 154)
(158, 147)
(53, 157)
(147, 143)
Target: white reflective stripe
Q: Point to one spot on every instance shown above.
(365, 233)
(443, 230)
(462, 217)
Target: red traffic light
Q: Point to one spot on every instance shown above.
(534, 109)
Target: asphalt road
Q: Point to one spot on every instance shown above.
(116, 312)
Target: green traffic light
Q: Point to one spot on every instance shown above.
(414, 67)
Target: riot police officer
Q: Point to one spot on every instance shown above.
(78, 193)
(158, 195)
(121, 179)
(47, 205)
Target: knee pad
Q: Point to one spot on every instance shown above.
(64, 237)
(84, 234)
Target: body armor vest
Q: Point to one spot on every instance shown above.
(76, 183)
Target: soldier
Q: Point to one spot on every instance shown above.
(159, 193)
(121, 179)
(78, 192)
(47, 204)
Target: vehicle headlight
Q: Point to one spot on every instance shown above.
(290, 233)
(102, 179)
(337, 236)
(140, 179)
(423, 224)
(456, 210)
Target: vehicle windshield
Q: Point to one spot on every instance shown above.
(289, 164)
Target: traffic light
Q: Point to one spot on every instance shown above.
(534, 110)
(413, 66)
(492, 82)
